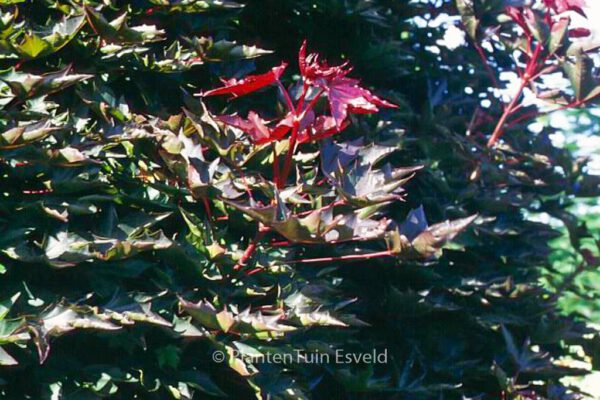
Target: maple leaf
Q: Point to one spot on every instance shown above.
(249, 84)
(257, 127)
(322, 225)
(321, 128)
(561, 6)
(311, 69)
(310, 128)
(579, 33)
(314, 128)
(345, 95)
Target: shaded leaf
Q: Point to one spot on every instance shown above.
(117, 30)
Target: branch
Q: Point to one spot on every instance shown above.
(499, 131)
(262, 230)
(351, 257)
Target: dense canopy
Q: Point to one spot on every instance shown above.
(190, 186)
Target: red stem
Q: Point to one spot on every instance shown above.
(531, 72)
(282, 243)
(485, 62)
(298, 114)
(352, 257)
(253, 271)
(275, 163)
(534, 114)
(262, 230)
(288, 157)
(524, 117)
(314, 100)
(287, 97)
(302, 98)
(327, 207)
(207, 208)
(498, 131)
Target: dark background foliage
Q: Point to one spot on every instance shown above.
(111, 317)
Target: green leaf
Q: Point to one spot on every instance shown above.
(195, 6)
(6, 305)
(558, 35)
(118, 32)
(319, 319)
(426, 240)
(537, 25)
(510, 344)
(579, 72)
(202, 382)
(48, 40)
(26, 85)
(6, 359)
(31, 46)
(224, 50)
(27, 134)
(592, 94)
(168, 356)
(466, 9)
(207, 315)
(319, 226)
(243, 322)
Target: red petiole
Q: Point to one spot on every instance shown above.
(298, 113)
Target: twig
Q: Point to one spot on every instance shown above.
(485, 62)
(498, 131)
(262, 230)
(287, 97)
(288, 157)
(351, 257)
(275, 163)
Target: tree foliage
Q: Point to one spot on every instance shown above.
(149, 222)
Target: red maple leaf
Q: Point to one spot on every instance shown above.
(560, 6)
(249, 84)
(257, 127)
(312, 69)
(345, 95)
(322, 127)
(579, 32)
(310, 128)
(313, 128)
